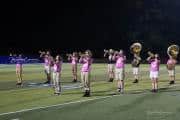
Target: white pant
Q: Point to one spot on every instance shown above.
(154, 74)
(85, 79)
(110, 67)
(171, 72)
(135, 70)
(47, 69)
(56, 81)
(119, 74)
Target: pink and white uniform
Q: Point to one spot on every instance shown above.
(87, 61)
(171, 61)
(120, 65)
(57, 66)
(56, 76)
(120, 62)
(74, 60)
(47, 63)
(154, 68)
(154, 65)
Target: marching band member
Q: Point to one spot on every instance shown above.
(135, 66)
(57, 74)
(172, 51)
(171, 69)
(111, 63)
(86, 61)
(135, 49)
(120, 69)
(74, 60)
(154, 62)
(47, 65)
(19, 69)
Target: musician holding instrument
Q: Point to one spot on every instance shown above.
(120, 59)
(111, 63)
(74, 60)
(154, 62)
(135, 50)
(172, 52)
(86, 61)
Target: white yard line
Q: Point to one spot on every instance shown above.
(37, 108)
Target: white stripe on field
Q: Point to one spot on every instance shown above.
(36, 108)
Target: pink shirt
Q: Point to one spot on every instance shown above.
(171, 61)
(154, 65)
(46, 62)
(57, 66)
(87, 61)
(120, 61)
(74, 60)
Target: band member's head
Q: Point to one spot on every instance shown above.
(88, 53)
(57, 57)
(156, 56)
(74, 54)
(111, 51)
(48, 52)
(121, 52)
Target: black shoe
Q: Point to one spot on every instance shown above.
(135, 81)
(74, 80)
(171, 82)
(110, 80)
(86, 94)
(119, 90)
(153, 90)
(47, 82)
(19, 83)
(57, 93)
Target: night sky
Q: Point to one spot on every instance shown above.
(89, 24)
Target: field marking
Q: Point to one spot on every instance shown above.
(37, 108)
(68, 103)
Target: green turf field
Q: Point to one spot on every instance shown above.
(39, 103)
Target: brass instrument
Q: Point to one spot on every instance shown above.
(68, 55)
(151, 54)
(136, 48)
(173, 51)
(81, 54)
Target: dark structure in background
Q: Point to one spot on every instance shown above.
(100, 24)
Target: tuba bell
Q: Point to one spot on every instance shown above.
(173, 51)
(136, 48)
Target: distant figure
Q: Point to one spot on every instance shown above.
(135, 65)
(48, 60)
(111, 63)
(57, 74)
(171, 69)
(74, 60)
(86, 61)
(19, 69)
(120, 69)
(154, 62)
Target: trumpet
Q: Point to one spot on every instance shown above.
(81, 54)
(110, 51)
(41, 52)
(173, 51)
(68, 55)
(150, 54)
